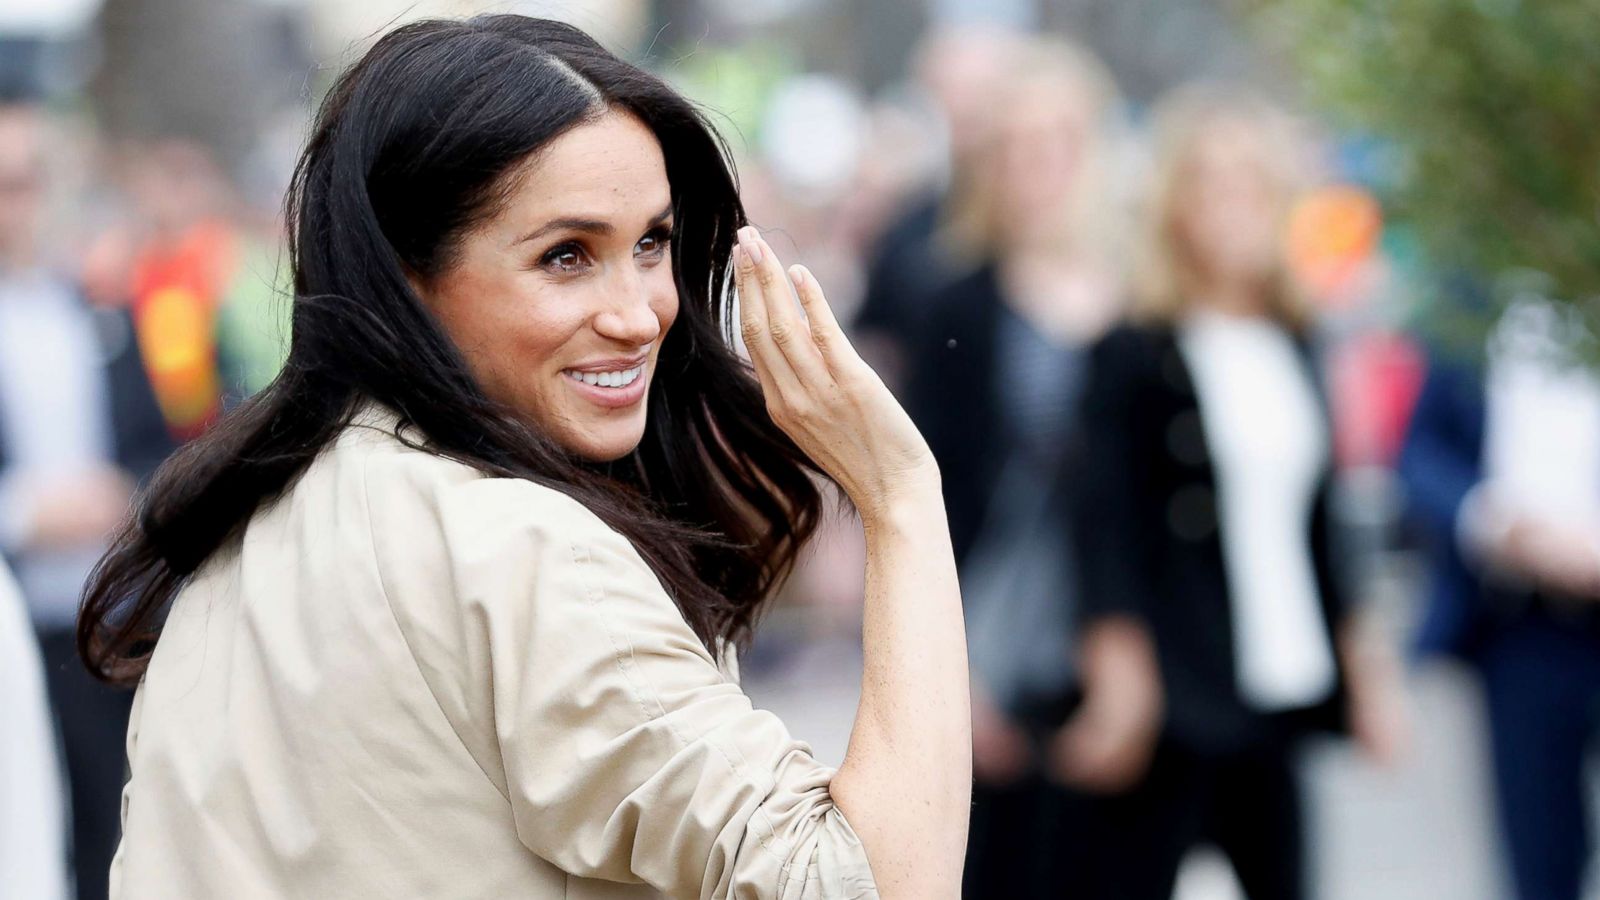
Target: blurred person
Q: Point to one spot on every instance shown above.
(961, 68)
(1205, 530)
(994, 384)
(78, 427)
(450, 608)
(33, 827)
(186, 255)
(1502, 470)
(204, 275)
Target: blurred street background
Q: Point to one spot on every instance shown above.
(1404, 193)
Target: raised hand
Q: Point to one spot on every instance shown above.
(819, 391)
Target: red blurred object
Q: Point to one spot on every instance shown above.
(1374, 379)
(177, 288)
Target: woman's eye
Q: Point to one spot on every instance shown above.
(564, 258)
(653, 245)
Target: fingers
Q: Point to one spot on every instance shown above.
(752, 312)
(785, 326)
(829, 338)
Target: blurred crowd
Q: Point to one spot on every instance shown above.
(1185, 448)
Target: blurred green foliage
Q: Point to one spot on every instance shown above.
(1493, 110)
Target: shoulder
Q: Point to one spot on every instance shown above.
(1132, 351)
(966, 294)
(957, 322)
(1134, 340)
(453, 545)
(415, 497)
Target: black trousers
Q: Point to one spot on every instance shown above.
(1034, 839)
(1542, 682)
(1245, 803)
(93, 723)
(1031, 840)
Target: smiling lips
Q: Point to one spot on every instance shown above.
(612, 383)
(616, 378)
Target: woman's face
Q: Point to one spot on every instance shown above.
(1228, 205)
(560, 301)
(1041, 143)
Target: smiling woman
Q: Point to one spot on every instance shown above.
(450, 608)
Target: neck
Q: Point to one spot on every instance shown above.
(1066, 298)
(1236, 298)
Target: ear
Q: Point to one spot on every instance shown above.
(419, 286)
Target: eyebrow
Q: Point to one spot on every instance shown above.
(586, 225)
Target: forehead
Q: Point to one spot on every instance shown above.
(609, 168)
(1043, 104)
(1232, 142)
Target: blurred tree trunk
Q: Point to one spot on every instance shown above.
(1152, 46)
(209, 70)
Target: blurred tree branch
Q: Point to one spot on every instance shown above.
(206, 70)
(1491, 108)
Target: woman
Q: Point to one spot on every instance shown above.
(1205, 527)
(995, 388)
(444, 611)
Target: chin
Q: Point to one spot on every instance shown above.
(608, 441)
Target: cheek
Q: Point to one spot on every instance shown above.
(507, 328)
(664, 301)
(543, 335)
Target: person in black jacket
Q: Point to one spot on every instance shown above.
(958, 69)
(995, 379)
(1204, 528)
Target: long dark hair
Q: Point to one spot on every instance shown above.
(415, 143)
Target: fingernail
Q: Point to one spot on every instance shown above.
(747, 238)
(798, 276)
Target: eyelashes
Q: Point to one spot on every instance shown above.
(654, 244)
(564, 258)
(572, 257)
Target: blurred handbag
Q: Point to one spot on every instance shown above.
(1017, 594)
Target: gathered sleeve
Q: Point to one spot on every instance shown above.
(624, 751)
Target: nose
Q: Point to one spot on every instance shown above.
(628, 316)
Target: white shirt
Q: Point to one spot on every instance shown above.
(33, 853)
(1262, 421)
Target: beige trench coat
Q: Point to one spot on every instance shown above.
(409, 680)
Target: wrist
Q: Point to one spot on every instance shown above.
(907, 501)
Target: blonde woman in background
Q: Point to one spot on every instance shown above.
(994, 386)
(1204, 530)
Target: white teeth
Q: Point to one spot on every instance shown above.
(616, 379)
